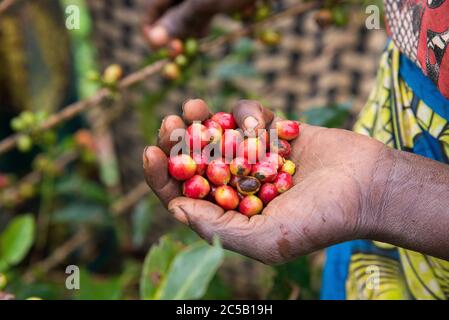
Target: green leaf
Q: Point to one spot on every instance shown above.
(16, 240)
(192, 270)
(78, 187)
(155, 267)
(80, 212)
(331, 116)
(141, 221)
(98, 289)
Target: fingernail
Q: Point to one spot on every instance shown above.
(144, 157)
(250, 123)
(179, 214)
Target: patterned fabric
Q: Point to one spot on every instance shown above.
(406, 112)
(420, 28)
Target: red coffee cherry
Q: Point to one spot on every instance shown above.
(218, 172)
(267, 192)
(250, 205)
(283, 182)
(227, 198)
(225, 119)
(287, 129)
(196, 187)
(181, 167)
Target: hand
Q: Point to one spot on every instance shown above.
(168, 19)
(331, 201)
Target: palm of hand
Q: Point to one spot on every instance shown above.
(334, 172)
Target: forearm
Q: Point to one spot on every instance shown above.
(411, 197)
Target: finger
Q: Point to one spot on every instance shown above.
(165, 139)
(180, 21)
(252, 237)
(195, 110)
(155, 165)
(157, 37)
(251, 116)
(156, 8)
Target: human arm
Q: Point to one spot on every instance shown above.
(347, 186)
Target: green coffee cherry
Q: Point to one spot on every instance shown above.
(24, 143)
(17, 124)
(262, 12)
(270, 37)
(192, 47)
(28, 119)
(182, 61)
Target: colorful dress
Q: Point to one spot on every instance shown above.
(407, 110)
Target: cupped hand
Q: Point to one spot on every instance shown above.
(168, 19)
(333, 199)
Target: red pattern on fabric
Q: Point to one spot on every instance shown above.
(420, 28)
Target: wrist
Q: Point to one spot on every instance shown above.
(376, 200)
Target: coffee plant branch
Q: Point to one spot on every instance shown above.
(72, 110)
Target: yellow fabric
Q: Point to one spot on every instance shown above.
(389, 118)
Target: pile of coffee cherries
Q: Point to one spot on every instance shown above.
(235, 171)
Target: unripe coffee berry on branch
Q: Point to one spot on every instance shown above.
(221, 164)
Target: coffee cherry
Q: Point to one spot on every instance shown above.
(289, 167)
(283, 182)
(250, 205)
(252, 149)
(24, 143)
(234, 180)
(262, 12)
(226, 197)
(175, 48)
(215, 130)
(201, 163)
(5, 181)
(225, 119)
(197, 136)
(270, 37)
(240, 167)
(275, 159)
(181, 61)
(248, 185)
(287, 129)
(323, 18)
(26, 190)
(84, 139)
(196, 187)
(267, 192)
(171, 71)
(181, 167)
(191, 47)
(229, 143)
(282, 148)
(112, 74)
(218, 172)
(264, 171)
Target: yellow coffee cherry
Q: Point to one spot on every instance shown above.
(289, 167)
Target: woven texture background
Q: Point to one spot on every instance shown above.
(310, 68)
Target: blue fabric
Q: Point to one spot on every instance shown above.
(423, 87)
(337, 265)
(338, 257)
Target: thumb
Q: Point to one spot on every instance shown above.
(251, 116)
(252, 237)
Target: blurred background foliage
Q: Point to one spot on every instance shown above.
(67, 211)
